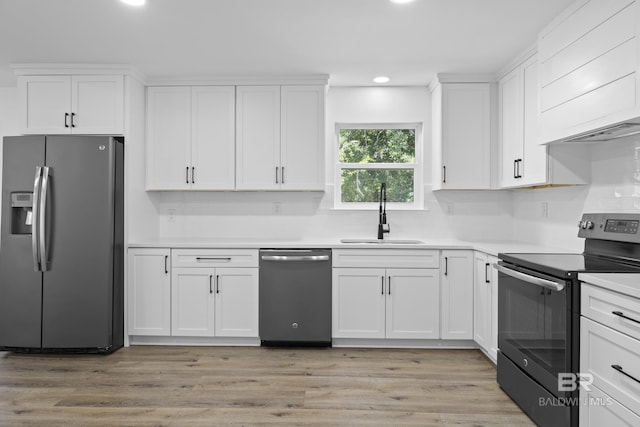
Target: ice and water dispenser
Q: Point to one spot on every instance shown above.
(21, 213)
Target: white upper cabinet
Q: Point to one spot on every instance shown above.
(213, 137)
(280, 138)
(71, 104)
(168, 138)
(190, 138)
(588, 68)
(258, 137)
(302, 139)
(462, 135)
(523, 161)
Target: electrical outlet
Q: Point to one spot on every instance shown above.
(449, 208)
(172, 215)
(544, 209)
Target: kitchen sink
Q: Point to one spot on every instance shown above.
(384, 241)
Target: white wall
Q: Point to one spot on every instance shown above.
(615, 187)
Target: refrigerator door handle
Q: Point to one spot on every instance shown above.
(44, 189)
(35, 249)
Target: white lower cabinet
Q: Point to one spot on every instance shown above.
(192, 302)
(149, 292)
(456, 279)
(215, 296)
(610, 354)
(358, 303)
(398, 299)
(485, 304)
(214, 302)
(385, 303)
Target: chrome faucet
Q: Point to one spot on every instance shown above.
(383, 227)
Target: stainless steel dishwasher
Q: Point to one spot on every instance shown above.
(295, 297)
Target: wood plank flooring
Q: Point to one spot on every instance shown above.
(249, 386)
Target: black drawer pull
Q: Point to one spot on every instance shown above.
(213, 259)
(619, 369)
(621, 314)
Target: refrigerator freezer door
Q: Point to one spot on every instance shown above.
(78, 286)
(20, 284)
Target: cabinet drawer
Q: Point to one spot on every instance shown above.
(214, 258)
(600, 304)
(597, 409)
(386, 258)
(602, 349)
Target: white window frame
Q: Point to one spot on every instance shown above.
(417, 166)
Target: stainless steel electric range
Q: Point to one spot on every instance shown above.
(539, 315)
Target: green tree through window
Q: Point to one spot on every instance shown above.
(369, 156)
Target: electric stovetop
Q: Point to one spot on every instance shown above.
(567, 265)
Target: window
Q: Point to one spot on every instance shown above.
(369, 155)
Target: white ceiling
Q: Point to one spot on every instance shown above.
(352, 40)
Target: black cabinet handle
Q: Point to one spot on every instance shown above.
(166, 269)
(446, 266)
(282, 175)
(217, 284)
(382, 287)
(389, 285)
(519, 162)
(73, 116)
(619, 369)
(486, 273)
(621, 314)
(210, 283)
(193, 174)
(515, 168)
(187, 174)
(66, 120)
(277, 174)
(444, 174)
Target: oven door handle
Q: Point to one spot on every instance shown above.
(548, 284)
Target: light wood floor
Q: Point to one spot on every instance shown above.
(217, 386)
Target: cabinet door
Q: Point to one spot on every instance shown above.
(534, 170)
(192, 302)
(149, 292)
(457, 295)
(44, 104)
(466, 136)
(482, 302)
(213, 137)
(258, 138)
(97, 104)
(413, 303)
(493, 331)
(236, 311)
(302, 142)
(511, 131)
(358, 303)
(168, 138)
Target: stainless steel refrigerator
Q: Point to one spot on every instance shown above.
(62, 244)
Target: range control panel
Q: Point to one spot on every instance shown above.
(611, 226)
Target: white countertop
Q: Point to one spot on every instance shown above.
(489, 247)
(624, 283)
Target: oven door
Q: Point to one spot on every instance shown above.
(534, 324)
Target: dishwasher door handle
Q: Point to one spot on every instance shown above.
(295, 257)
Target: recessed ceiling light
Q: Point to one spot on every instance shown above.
(134, 2)
(381, 79)
(401, 1)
